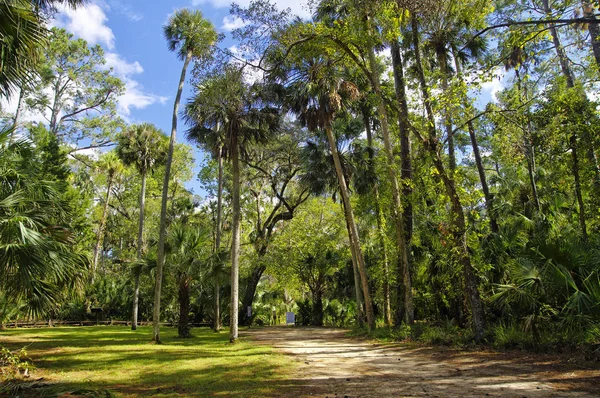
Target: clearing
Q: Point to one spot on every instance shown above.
(281, 362)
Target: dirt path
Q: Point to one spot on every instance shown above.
(335, 366)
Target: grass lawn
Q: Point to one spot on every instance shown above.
(128, 365)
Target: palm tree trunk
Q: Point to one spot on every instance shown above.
(387, 308)
(100, 233)
(354, 238)
(217, 324)
(431, 143)
(160, 261)
(235, 240)
(140, 252)
(404, 272)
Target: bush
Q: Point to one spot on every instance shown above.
(511, 335)
(14, 364)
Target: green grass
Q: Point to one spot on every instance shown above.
(128, 365)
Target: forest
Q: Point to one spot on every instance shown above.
(355, 170)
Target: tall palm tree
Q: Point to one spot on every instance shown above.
(317, 93)
(112, 166)
(244, 115)
(143, 146)
(192, 36)
(212, 140)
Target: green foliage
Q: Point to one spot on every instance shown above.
(14, 364)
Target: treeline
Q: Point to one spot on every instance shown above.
(357, 171)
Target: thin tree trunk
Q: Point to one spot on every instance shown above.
(479, 162)
(404, 271)
(387, 309)
(354, 238)
(443, 64)
(217, 324)
(406, 163)
(458, 218)
(100, 233)
(183, 326)
(160, 261)
(360, 319)
(573, 140)
(528, 143)
(17, 117)
(140, 252)
(235, 240)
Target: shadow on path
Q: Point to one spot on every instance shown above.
(333, 365)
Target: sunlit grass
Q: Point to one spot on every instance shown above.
(126, 363)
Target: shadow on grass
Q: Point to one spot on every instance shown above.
(126, 363)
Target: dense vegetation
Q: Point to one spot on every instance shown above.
(354, 173)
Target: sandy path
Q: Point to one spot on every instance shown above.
(333, 365)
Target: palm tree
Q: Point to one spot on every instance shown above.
(187, 244)
(112, 166)
(192, 36)
(37, 260)
(212, 140)
(143, 146)
(226, 99)
(317, 94)
(23, 36)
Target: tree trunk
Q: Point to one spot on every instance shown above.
(387, 309)
(588, 12)
(160, 261)
(528, 143)
(573, 140)
(404, 272)
(249, 292)
(235, 240)
(458, 217)
(100, 233)
(217, 324)
(317, 315)
(354, 238)
(478, 162)
(17, 117)
(443, 64)
(406, 163)
(360, 319)
(183, 326)
(140, 252)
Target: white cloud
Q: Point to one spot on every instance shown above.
(88, 22)
(136, 97)
(230, 23)
(299, 7)
(120, 66)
